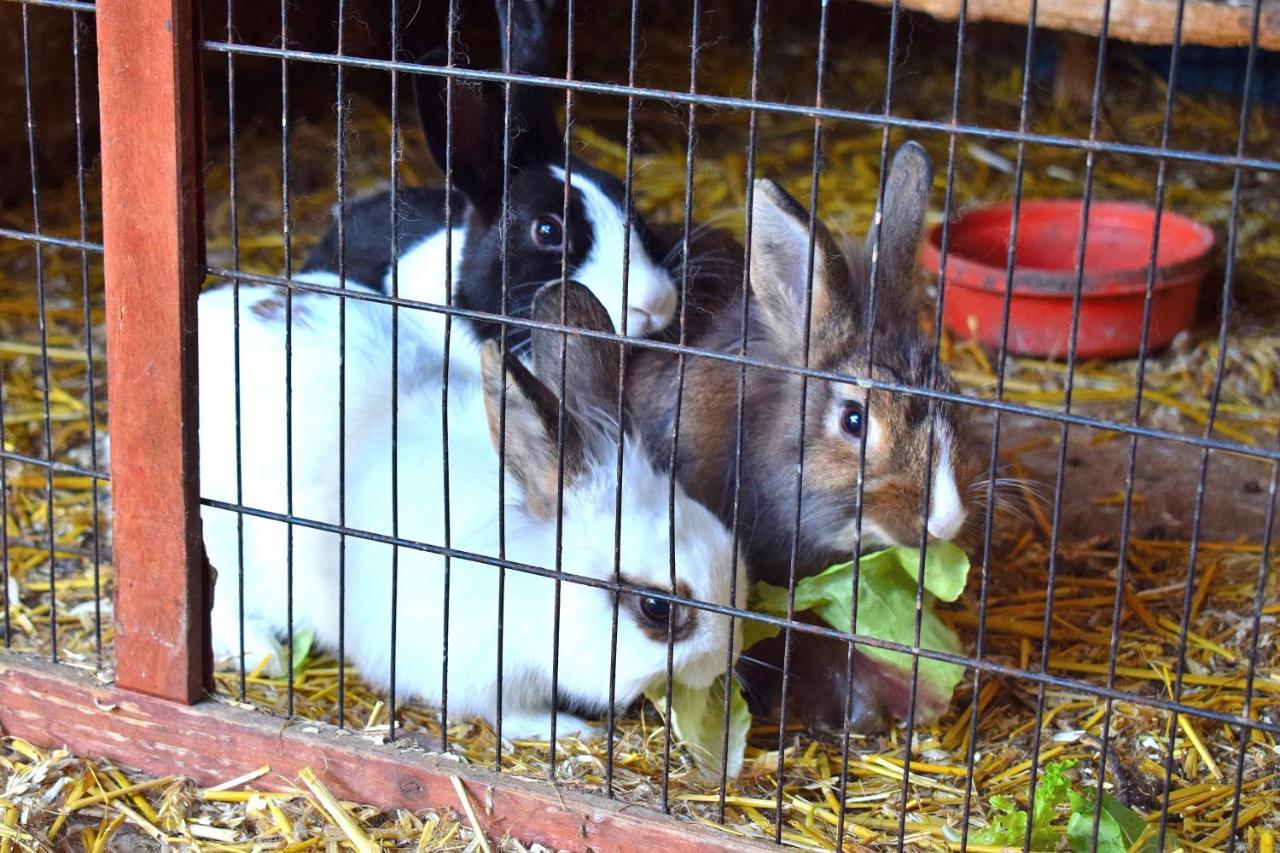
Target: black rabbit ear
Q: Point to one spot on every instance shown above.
(591, 364)
(529, 50)
(902, 213)
(536, 137)
(472, 151)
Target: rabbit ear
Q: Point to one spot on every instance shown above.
(474, 149)
(591, 364)
(532, 453)
(533, 108)
(901, 216)
(780, 266)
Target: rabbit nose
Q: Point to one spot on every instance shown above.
(946, 512)
(653, 313)
(945, 529)
(641, 321)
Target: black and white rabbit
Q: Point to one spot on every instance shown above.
(538, 236)
(704, 557)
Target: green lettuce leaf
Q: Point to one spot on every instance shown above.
(697, 719)
(1007, 824)
(1053, 790)
(1119, 827)
(886, 610)
(302, 641)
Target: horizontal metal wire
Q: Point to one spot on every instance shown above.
(1271, 454)
(59, 467)
(879, 120)
(751, 615)
(103, 554)
(70, 5)
(49, 239)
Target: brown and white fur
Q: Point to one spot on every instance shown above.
(903, 502)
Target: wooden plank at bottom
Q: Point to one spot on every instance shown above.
(211, 742)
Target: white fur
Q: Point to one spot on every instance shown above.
(703, 546)
(946, 510)
(421, 278)
(651, 296)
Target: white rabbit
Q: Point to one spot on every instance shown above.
(705, 563)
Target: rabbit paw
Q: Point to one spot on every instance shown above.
(260, 643)
(536, 726)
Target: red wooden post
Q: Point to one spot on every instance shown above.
(152, 232)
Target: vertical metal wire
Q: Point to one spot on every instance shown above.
(877, 232)
(690, 147)
(1002, 362)
(1126, 512)
(740, 403)
(341, 178)
(504, 244)
(233, 201)
(77, 26)
(1095, 112)
(860, 480)
(628, 215)
(1233, 234)
(932, 408)
(4, 526)
(44, 333)
(1259, 600)
(395, 356)
(560, 422)
(933, 368)
(792, 558)
(285, 226)
(450, 34)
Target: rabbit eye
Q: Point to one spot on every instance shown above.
(655, 610)
(851, 419)
(547, 232)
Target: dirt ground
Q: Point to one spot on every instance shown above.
(1166, 475)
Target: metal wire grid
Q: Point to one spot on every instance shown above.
(821, 114)
(41, 243)
(1238, 162)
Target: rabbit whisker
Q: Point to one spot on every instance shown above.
(759, 662)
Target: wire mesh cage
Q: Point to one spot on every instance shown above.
(557, 363)
(56, 551)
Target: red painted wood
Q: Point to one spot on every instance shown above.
(152, 233)
(212, 742)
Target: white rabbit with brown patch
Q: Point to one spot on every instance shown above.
(538, 491)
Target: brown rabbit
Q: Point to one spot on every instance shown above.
(897, 426)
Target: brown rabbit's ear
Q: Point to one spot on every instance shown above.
(532, 415)
(591, 364)
(780, 268)
(906, 199)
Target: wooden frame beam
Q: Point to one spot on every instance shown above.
(211, 742)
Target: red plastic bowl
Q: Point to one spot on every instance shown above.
(1117, 251)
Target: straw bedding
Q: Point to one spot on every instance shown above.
(49, 797)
